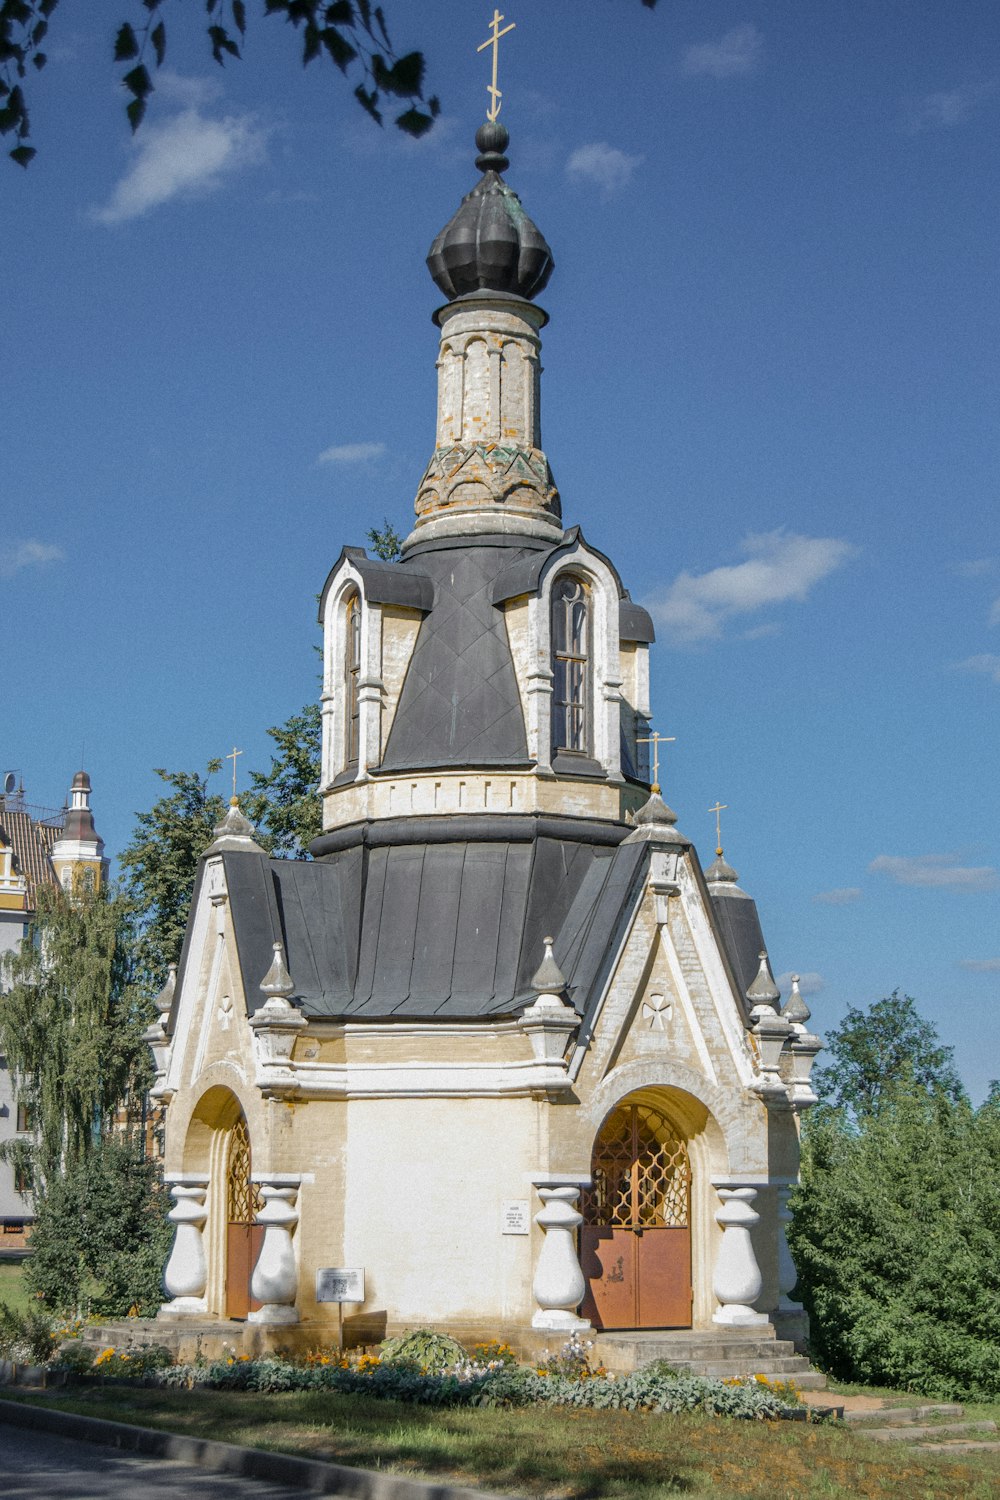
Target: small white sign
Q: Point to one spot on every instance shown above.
(334, 1284)
(515, 1217)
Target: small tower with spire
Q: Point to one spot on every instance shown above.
(78, 853)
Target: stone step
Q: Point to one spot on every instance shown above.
(892, 1416)
(641, 1337)
(742, 1369)
(911, 1433)
(676, 1354)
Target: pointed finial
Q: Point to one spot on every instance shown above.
(165, 998)
(235, 832)
(548, 978)
(763, 992)
(277, 982)
(796, 1010)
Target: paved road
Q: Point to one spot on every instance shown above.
(39, 1464)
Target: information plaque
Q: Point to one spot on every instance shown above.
(334, 1284)
(515, 1217)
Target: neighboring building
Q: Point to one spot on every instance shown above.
(504, 983)
(39, 846)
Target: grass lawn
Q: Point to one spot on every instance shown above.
(569, 1454)
(12, 1288)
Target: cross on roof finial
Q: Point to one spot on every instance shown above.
(493, 40)
(656, 740)
(232, 756)
(720, 807)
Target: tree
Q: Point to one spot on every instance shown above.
(71, 1027)
(350, 34)
(285, 802)
(160, 863)
(874, 1050)
(385, 541)
(102, 1235)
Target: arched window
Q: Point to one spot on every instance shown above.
(571, 665)
(352, 675)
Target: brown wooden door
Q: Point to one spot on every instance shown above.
(243, 1237)
(635, 1242)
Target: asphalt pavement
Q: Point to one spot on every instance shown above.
(42, 1466)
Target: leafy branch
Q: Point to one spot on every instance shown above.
(351, 34)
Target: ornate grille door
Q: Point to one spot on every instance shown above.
(636, 1237)
(243, 1237)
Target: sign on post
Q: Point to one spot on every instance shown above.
(340, 1285)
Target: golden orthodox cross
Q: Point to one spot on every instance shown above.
(720, 807)
(656, 740)
(493, 40)
(232, 756)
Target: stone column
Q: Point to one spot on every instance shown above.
(275, 1279)
(787, 1274)
(737, 1282)
(186, 1274)
(559, 1287)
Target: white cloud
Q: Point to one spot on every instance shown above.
(608, 168)
(28, 554)
(980, 965)
(995, 612)
(986, 664)
(946, 107)
(936, 872)
(737, 52)
(188, 154)
(809, 984)
(351, 453)
(844, 895)
(780, 566)
(976, 567)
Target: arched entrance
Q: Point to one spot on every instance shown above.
(244, 1237)
(635, 1242)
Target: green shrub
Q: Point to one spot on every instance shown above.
(424, 1348)
(25, 1338)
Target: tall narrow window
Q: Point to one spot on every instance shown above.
(352, 675)
(571, 666)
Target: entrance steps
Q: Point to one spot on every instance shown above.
(723, 1354)
(937, 1428)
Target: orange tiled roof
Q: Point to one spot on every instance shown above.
(30, 842)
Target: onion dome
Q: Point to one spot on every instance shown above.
(490, 245)
(720, 872)
(548, 978)
(763, 992)
(235, 834)
(796, 1011)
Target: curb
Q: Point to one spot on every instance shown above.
(228, 1458)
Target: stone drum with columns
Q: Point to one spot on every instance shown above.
(501, 1043)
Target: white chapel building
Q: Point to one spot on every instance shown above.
(502, 1045)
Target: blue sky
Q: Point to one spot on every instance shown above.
(770, 394)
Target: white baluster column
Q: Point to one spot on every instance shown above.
(186, 1274)
(787, 1274)
(559, 1287)
(737, 1282)
(275, 1279)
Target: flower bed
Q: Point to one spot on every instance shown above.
(489, 1378)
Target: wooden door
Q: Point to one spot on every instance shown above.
(243, 1237)
(635, 1241)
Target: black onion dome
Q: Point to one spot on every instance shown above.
(490, 245)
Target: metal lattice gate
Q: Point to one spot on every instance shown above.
(243, 1236)
(636, 1237)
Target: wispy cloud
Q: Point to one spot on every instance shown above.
(986, 665)
(351, 453)
(16, 556)
(945, 108)
(809, 984)
(976, 567)
(189, 154)
(844, 895)
(780, 566)
(995, 612)
(936, 872)
(739, 51)
(980, 965)
(608, 168)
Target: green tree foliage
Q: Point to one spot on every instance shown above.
(385, 541)
(352, 35)
(284, 801)
(160, 863)
(896, 1229)
(875, 1049)
(102, 1235)
(71, 1023)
